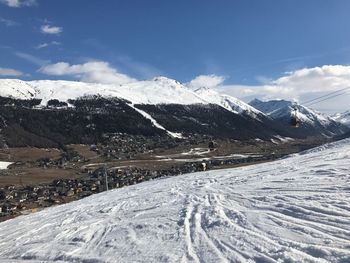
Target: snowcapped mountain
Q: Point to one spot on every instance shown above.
(16, 88)
(228, 102)
(159, 90)
(343, 118)
(311, 120)
(151, 107)
(292, 210)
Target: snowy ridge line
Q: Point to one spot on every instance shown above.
(281, 108)
(291, 210)
(227, 102)
(160, 90)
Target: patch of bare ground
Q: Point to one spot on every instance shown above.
(36, 175)
(28, 154)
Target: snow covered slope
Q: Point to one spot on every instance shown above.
(4, 165)
(228, 102)
(344, 118)
(292, 210)
(310, 119)
(160, 90)
(281, 108)
(17, 89)
(157, 91)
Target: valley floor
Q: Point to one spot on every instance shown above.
(38, 178)
(295, 209)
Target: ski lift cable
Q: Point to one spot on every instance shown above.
(306, 103)
(294, 118)
(336, 95)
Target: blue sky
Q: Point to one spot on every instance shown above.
(247, 42)
(181, 39)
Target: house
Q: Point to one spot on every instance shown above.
(8, 208)
(70, 193)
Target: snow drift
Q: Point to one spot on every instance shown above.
(292, 210)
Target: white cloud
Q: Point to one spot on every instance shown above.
(10, 72)
(207, 81)
(52, 30)
(18, 3)
(44, 45)
(32, 59)
(8, 22)
(96, 72)
(301, 85)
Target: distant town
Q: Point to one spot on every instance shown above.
(125, 160)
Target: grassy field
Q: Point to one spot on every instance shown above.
(26, 171)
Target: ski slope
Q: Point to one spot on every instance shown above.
(292, 210)
(4, 165)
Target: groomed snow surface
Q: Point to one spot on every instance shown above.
(292, 210)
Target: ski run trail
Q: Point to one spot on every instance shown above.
(295, 209)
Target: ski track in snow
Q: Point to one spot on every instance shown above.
(296, 209)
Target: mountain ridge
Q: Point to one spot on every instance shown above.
(311, 120)
(156, 107)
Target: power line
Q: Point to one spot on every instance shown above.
(337, 95)
(323, 96)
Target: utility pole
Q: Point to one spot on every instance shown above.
(106, 179)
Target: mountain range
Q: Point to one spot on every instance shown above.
(343, 118)
(311, 121)
(50, 113)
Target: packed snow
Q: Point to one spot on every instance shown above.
(295, 209)
(4, 165)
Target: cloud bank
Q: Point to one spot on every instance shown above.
(95, 72)
(300, 85)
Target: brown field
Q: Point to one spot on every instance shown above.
(36, 175)
(27, 172)
(27, 154)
